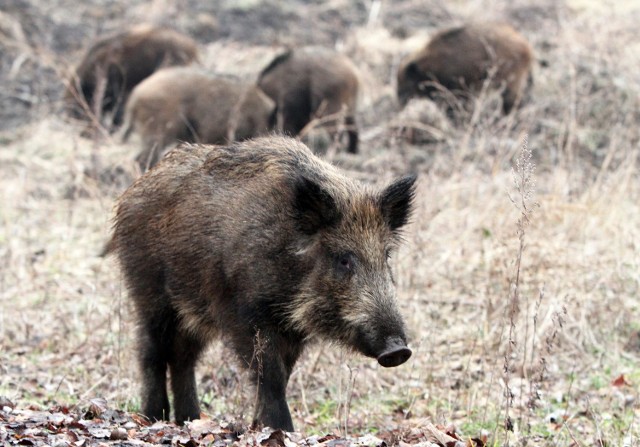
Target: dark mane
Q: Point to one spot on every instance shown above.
(275, 62)
(451, 33)
(107, 40)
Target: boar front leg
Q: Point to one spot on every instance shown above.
(271, 362)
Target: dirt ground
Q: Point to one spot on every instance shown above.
(520, 274)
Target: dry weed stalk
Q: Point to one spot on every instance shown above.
(524, 181)
(344, 407)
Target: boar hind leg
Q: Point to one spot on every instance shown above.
(271, 361)
(163, 345)
(155, 402)
(352, 134)
(511, 96)
(182, 363)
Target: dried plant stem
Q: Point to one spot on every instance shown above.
(525, 186)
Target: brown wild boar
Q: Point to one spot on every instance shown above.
(461, 59)
(263, 244)
(114, 65)
(311, 83)
(186, 104)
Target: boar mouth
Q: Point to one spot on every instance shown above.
(396, 353)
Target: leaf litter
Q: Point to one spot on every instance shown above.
(99, 425)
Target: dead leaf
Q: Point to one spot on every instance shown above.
(119, 434)
(434, 434)
(275, 439)
(99, 432)
(620, 381)
(97, 406)
(370, 441)
(199, 427)
(184, 441)
(338, 443)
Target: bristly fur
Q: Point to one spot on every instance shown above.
(461, 59)
(189, 105)
(125, 59)
(259, 238)
(313, 83)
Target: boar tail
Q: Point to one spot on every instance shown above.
(108, 248)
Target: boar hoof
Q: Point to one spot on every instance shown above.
(396, 354)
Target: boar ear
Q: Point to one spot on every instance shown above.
(396, 201)
(412, 71)
(313, 206)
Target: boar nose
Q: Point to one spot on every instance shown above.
(396, 353)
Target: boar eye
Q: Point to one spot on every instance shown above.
(345, 263)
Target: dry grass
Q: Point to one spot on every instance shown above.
(65, 324)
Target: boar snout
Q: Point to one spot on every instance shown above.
(395, 353)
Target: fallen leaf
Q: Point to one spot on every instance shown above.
(370, 441)
(434, 434)
(118, 434)
(620, 381)
(141, 420)
(276, 439)
(200, 427)
(97, 406)
(338, 443)
(98, 432)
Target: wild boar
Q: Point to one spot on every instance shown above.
(461, 59)
(313, 83)
(186, 104)
(266, 245)
(114, 65)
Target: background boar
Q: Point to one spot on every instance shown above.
(265, 244)
(461, 59)
(313, 83)
(185, 104)
(115, 64)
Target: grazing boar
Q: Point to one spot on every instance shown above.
(266, 245)
(114, 65)
(186, 104)
(461, 59)
(313, 83)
